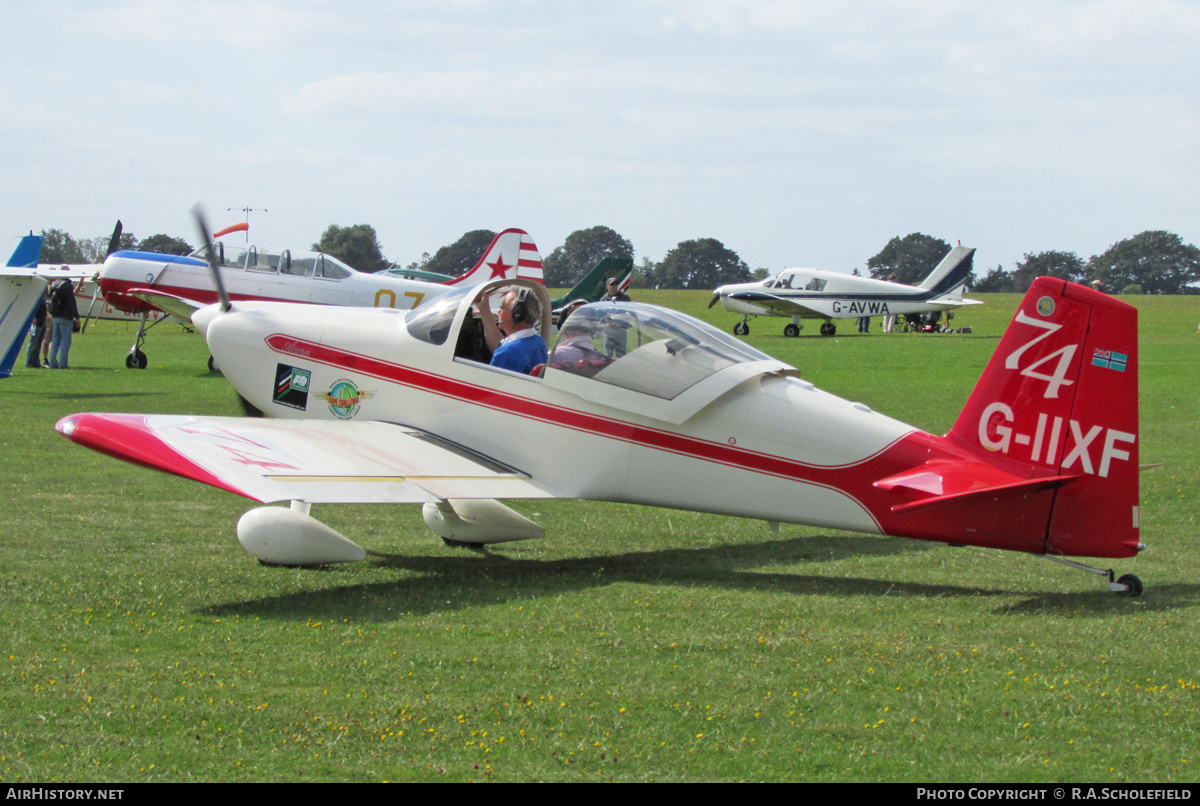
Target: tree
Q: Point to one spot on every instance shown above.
(996, 281)
(356, 246)
(583, 249)
(60, 247)
(462, 255)
(1158, 261)
(700, 263)
(165, 245)
(1063, 265)
(644, 274)
(910, 258)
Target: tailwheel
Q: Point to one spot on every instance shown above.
(136, 359)
(1128, 585)
(212, 365)
(1133, 585)
(791, 330)
(828, 329)
(741, 329)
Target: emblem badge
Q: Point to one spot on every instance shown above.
(291, 386)
(1045, 306)
(344, 398)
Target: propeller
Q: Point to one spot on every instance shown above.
(202, 225)
(114, 243)
(716, 298)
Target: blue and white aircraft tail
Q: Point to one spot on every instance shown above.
(20, 289)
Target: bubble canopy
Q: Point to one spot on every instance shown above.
(652, 360)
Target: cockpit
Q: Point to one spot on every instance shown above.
(645, 349)
(285, 263)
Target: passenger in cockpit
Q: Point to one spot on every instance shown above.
(576, 348)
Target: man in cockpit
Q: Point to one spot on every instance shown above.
(514, 339)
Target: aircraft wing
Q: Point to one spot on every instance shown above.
(779, 305)
(177, 306)
(317, 461)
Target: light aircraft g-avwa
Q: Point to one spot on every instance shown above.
(141, 282)
(829, 295)
(386, 406)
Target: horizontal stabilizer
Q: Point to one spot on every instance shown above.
(318, 461)
(1012, 489)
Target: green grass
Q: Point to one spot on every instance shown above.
(143, 644)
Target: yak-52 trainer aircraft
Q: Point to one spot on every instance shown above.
(140, 282)
(829, 295)
(387, 406)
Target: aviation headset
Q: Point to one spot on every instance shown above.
(525, 307)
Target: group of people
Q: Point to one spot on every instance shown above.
(54, 320)
(513, 334)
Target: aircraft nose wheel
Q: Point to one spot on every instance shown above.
(136, 359)
(741, 329)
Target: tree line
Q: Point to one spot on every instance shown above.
(1153, 262)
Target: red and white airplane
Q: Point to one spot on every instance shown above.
(142, 283)
(387, 406)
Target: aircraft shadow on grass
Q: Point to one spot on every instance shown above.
(488, 577)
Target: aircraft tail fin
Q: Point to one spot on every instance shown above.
(511, 254)
(1059, 398)
(949, 276)
(594, 284)
(19, 294)
(27, 253)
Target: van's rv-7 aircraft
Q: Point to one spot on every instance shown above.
(829, 295)
(142, 282)
(386, 406)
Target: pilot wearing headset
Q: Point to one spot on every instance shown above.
(514, 340)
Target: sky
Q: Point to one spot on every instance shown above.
(796, 133)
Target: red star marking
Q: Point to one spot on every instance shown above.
(498, 268)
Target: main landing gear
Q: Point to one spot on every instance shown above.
(1127, 585)
(791, 330)
(136, 358)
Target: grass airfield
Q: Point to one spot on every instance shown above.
(632, 644)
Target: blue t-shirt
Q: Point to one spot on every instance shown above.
(520, 354)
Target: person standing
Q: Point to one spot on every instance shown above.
(37, 334)
(614, 333)
(64, 315)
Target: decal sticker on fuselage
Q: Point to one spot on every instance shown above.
(291, 386)
(344, 398)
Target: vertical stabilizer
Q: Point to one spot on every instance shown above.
(1060, 398)
(19, 293)
(512, 254)
(949, 276)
